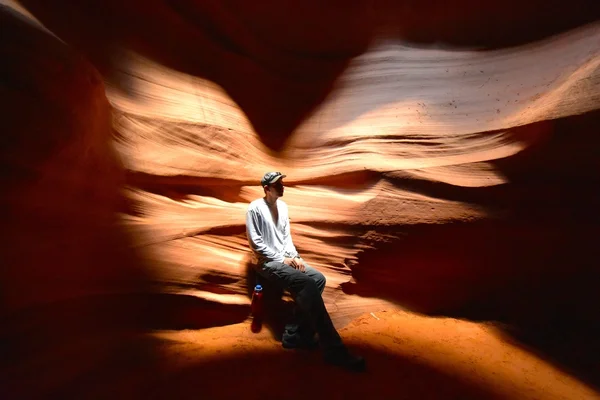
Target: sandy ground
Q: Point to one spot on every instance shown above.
(409, 357)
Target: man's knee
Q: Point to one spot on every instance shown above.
(308, 296)
(317, 277)
(320, 281)
(309, 285)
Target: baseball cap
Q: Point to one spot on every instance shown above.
(271, 177)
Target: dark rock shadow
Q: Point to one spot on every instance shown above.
(73, 286)
(98, 346)
(538, 282)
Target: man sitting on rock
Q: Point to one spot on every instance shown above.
(269, 236)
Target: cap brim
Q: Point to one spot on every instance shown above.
(278, 178)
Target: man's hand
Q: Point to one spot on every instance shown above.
(295, 263)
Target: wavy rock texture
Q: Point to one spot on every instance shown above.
(402, 120)
(437, 161)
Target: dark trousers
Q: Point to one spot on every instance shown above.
(306, 289)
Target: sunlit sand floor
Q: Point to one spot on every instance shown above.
(409, 357)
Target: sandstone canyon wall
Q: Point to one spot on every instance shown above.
(440, 157)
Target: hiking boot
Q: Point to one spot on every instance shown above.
(299, 337)
(299, 342)
(341, 357)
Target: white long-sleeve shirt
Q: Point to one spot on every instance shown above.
(269, 240)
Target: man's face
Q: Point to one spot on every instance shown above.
(276, 188)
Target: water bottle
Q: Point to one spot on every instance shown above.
(257, 309)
